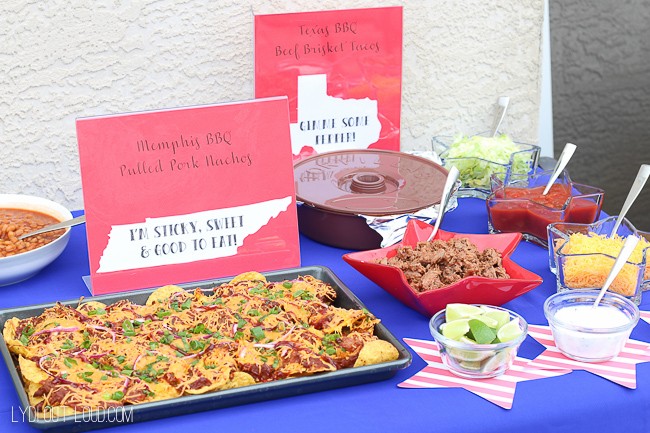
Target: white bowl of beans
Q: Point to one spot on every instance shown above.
(20, 214)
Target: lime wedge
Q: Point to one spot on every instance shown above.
(461, 311)
(470, 355)
(455, 329)
(467, 340)
(489, 321)
(481, 332)
(509, 331)
(502, 317)
(498, 361)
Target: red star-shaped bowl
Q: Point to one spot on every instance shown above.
(469, 290)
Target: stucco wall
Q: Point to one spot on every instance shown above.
(60, 60)
(600, 54)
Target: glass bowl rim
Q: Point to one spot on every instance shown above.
(533, 149)
(593, 293)
(645, 254)
(448, 342)
(491, 198)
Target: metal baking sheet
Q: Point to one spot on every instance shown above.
(218, 399)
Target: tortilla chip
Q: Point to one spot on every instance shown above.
(163, 390)
(13, 344)
(90, 306)
(200, 297)
(9, 331)
(239, 378)
(248, 276)
(31, 371)
(375, 352)
(31, 388)
(217, 377)
(56, 411)
(163, 293)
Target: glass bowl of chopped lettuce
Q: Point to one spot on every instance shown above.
(478, 157)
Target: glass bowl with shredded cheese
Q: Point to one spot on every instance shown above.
(581, 256)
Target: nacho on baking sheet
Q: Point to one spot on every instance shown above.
(244, 332)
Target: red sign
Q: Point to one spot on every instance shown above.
(342, 73)
(188, 194)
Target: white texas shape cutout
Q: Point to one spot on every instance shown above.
(327, 124)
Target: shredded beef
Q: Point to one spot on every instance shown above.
(436, 264)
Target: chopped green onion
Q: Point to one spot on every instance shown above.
(162, 314)
(128, 328)
(257, 333)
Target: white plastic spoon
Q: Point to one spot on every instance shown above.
(628, 247)
(637, 186)
(501, 113)
(452, 177)
(562, 161)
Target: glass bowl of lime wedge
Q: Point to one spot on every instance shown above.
(478, 341)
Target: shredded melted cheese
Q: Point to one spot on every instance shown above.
(247, 331)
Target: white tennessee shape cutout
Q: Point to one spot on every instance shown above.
(186, 238)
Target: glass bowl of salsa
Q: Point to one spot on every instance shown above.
(516, 204)
(581, 256)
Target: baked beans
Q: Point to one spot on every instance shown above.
(16, 222)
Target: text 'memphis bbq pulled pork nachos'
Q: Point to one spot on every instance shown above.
(248, 331)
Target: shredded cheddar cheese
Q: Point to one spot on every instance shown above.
(591, 257)
(248, 331)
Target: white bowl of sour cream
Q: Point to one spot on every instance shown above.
(589, 334)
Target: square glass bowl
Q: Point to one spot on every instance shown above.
(475, 172)
(590, 268)
(477, 361)
(516, 204)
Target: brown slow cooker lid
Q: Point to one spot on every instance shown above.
(369, 182)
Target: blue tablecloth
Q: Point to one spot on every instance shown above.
(577, 402)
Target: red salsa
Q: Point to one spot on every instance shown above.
(534, 212)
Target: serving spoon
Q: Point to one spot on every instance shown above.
(452, 177)
(637, 186)
(501, 113)
(562, 161)
(629, 245)
(63, 224)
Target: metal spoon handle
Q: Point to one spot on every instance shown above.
(629, 245)
(68, 223)
(452, 177)
(562, 161)
(501, 113)
(637, 186)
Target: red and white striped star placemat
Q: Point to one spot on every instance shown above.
(645, 315)
(621, 370)
(499, 390)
